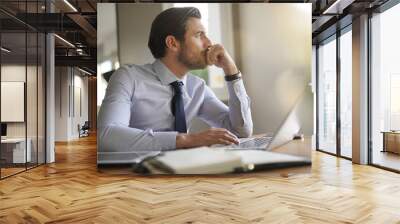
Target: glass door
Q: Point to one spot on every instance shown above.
(22, 67)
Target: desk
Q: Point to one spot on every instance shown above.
(391, 141)
(294, 147)
(13, 150)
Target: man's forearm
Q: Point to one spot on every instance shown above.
(239, 109)
(231, 70)
(182, 141)
(120, 138)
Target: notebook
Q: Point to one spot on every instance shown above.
(205, 160)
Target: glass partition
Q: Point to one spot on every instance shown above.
(22, 87)
(13, 104)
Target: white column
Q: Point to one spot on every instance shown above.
(360, 90)
(50, 105)
(50, 92)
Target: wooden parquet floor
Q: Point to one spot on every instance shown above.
(72, 190)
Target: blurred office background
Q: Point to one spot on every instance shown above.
(47, 76)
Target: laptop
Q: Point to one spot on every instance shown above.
(286, 132)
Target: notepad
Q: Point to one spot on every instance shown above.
(205, 160)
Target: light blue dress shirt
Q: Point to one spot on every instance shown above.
(135, 118)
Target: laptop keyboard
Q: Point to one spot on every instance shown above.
(255, 142)
(251, 143)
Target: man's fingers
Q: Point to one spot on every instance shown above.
(223, 131)
(230, 138)
(226, 132)
(223, 141)
(213, 53)
(208, 55)
(223, 134)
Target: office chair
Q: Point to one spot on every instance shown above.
(107, 75)
(84, 130)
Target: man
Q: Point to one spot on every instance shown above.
(148, 108)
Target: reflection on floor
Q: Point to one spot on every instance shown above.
(346, 152)
(386, 159)
(11, 169)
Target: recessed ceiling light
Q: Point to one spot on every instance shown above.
(70, 5)
(337, 7)
(64, 40)
(86, 72)
(5, 49)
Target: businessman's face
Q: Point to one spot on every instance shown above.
(194, 47)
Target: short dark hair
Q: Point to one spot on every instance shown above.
(169, 22)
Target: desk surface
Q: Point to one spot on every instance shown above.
(390, 132)
(13, 140)
(295, 147)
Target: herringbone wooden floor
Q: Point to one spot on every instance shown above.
(73, 191)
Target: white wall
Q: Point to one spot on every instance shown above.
(133, 33)
(67, 115)
(122, 37)
(61, 103)
(274, 43)
(12, 73)
(33, 126)
(79, 117)
(107, 45)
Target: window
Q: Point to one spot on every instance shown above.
(335, 94)
(346, 93)
(385, 85)
(327, 96)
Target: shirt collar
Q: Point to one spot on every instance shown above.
(164, 74)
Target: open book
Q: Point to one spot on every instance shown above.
(205, 160)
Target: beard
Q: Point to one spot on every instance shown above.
(192, 63)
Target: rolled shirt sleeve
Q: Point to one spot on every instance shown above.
(237, 117)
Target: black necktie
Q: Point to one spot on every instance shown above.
(177, 107)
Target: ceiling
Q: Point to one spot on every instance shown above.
(327, 13)
(75, 21)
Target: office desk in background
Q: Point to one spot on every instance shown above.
(391, 141)
(13, 150)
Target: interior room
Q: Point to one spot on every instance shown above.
(385, 90)
(343, 60)
(22, 98)
(42, 77)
